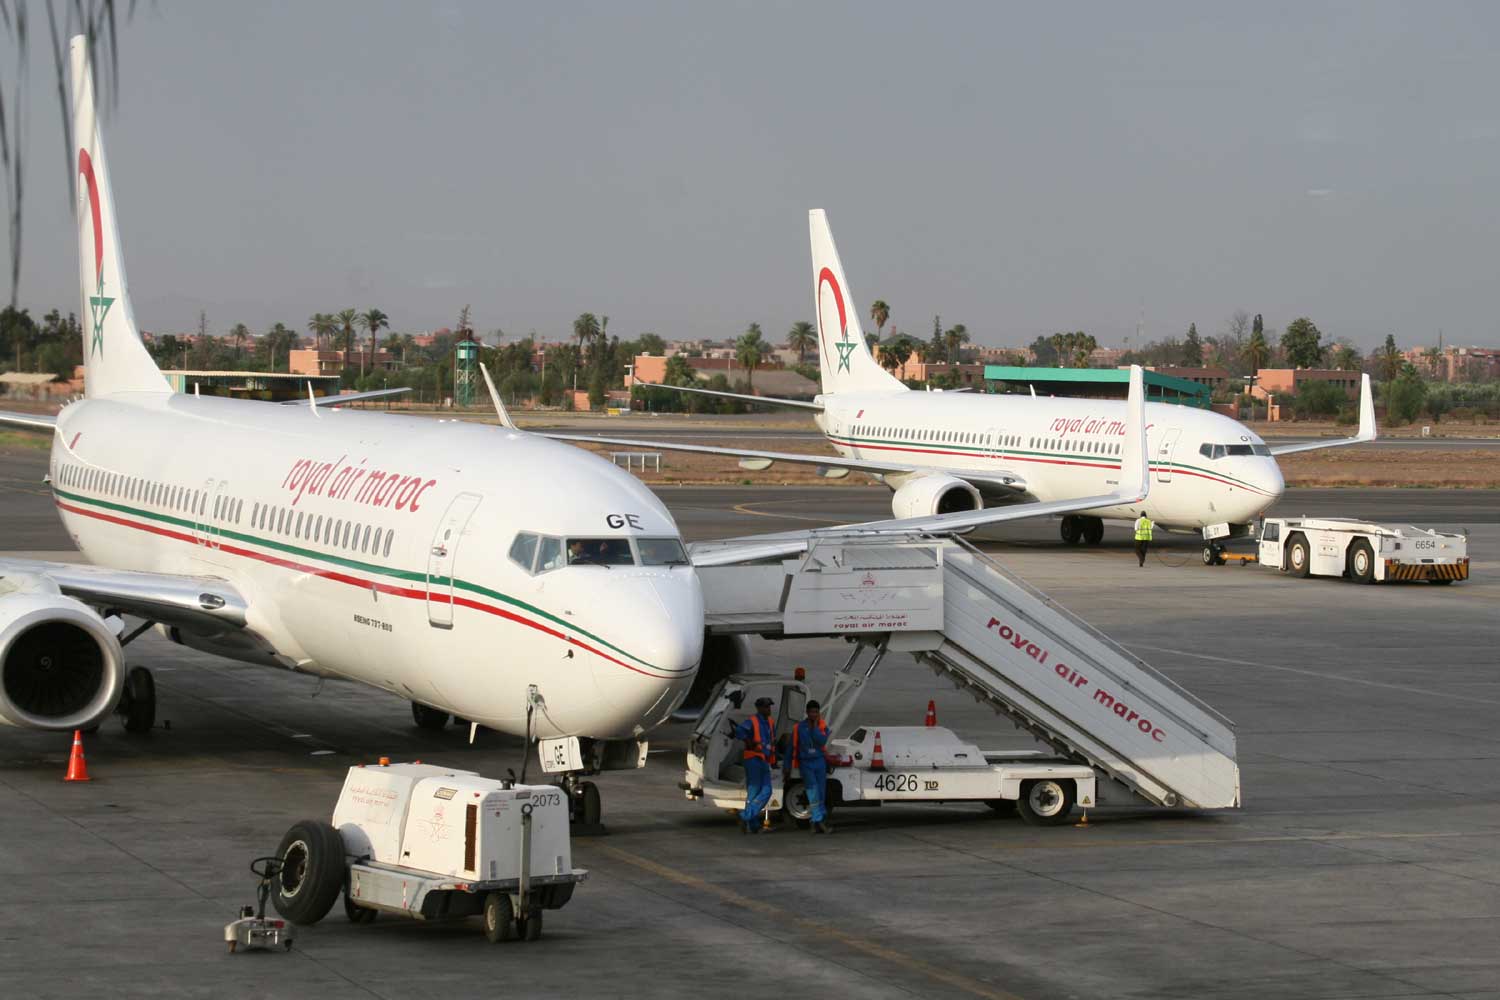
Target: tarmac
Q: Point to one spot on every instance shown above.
(1363, 863)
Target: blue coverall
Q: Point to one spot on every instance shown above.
(759, 736)
(807, 746)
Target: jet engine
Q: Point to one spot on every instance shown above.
(924, 496)
(723, 655)
(61, 666)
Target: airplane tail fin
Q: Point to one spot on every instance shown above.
(114, 358)
(844, 359)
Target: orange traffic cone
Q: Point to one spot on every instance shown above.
(931, 719)
(77, 769)
(877, 757)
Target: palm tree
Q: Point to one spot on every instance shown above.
(901, 349)
(585, 328)
(1257, 351)
(801, 337)
(321, 326)
(955, 338)
(407, 343)
(279, 339)
(880, 311)
(374, 321)
(345, 320)
(888, 358)
(748, 351)
(238, 334)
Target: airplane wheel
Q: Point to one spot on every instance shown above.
(138, 704)
(1070, 529)
(1210, 557)
(1093, 530)
(430, 719)
(590, 806)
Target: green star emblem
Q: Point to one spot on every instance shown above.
(846, 350)
(99, 306)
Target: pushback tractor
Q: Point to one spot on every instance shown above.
(432, 843)
(1363, 551)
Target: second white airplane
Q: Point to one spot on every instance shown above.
(944, 452)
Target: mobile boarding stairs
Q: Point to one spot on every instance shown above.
(1004, 642)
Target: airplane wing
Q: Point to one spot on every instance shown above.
(1134, 485)
(1366, 434)
(1003, 481)
(32, 421)
(762, 400)
(348, 397)
(198, 603)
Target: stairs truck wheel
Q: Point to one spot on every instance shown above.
(1093, 530)
(312, 872)
(1045, 801)
(1298, 556)
(794, 804)
(1361, 562)
(1070, 529)
(499, 918)
(430, 719)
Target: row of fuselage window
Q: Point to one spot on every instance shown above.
(317, 528)
(1005, 440)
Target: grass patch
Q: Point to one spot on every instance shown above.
(37, 440)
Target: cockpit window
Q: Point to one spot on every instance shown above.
(1220, 450)
(661, 552)
(523, 550)
(600, 552)
(549, 555)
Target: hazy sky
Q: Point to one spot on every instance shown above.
(1021, 169)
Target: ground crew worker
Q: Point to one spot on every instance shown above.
(758, 733)
(1142, 538)
(808, 739)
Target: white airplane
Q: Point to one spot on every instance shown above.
(472, 570)
(942, 452)
(475, 571)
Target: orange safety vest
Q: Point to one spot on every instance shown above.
(764, 742)
(797, 738)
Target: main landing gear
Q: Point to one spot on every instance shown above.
(1077, 528)
(137, 704)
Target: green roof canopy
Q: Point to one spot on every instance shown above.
(1158, 386)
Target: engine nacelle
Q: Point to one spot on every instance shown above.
(924, 496)
(722, 655)
(61, 666)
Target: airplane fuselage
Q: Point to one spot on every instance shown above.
(379, 549)
(1066, 447)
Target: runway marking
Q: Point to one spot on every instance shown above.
(740, 508)
(784, 917)
(1317, 673)
(1311, 838)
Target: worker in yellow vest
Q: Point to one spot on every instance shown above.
(1142, 537)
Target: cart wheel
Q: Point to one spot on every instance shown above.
(590, 806)
(794, 804)
(1361, 562)
(1001, 806)
(529, 927)
(1298, 556)
(286, 945)
(357, 914)
(312, 872)
(1045, 801)
(499, 918)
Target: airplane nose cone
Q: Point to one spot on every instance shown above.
(1273, 483)
(659, 619)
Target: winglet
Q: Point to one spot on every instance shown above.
(1135, 462)
(500, 410)
(1367, 429)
